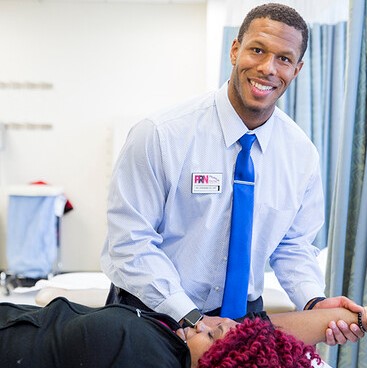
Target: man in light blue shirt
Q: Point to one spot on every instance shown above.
(170, 201)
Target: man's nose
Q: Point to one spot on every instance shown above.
(267, 66)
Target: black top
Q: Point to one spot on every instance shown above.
(66, 335)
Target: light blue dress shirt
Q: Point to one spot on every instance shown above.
(168, 245)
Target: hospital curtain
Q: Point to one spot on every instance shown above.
(347, 263)
(315, 98)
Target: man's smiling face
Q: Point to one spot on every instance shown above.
(264, 64)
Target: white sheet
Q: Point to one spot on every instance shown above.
(71, 281)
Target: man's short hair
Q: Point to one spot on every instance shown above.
(280, 13)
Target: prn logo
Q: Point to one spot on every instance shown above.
(201, 179)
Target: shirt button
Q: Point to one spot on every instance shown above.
(225, 259)
(217, 288)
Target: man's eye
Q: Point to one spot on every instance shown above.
(285, 59)
(257, 50)
(211, 336)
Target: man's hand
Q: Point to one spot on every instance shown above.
(339, 332)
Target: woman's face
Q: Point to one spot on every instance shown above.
(202, 337)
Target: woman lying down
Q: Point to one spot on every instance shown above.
(65, 334)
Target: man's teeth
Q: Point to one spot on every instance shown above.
(261, 87)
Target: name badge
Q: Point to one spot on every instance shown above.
(206, 183)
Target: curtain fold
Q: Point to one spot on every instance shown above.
(347, 265)
(229, 34)
(315, 99)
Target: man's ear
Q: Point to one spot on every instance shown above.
(298, 68)
(234, 51)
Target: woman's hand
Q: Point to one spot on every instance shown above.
(339, 332)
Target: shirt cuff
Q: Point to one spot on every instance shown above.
(176, 306)
(306, 292)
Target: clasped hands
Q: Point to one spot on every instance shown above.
(339, 332)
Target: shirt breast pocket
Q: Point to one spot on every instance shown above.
(271, 225)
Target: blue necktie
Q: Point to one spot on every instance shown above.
(234, 304)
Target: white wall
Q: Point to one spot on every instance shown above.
(313, 11)
(108, 64)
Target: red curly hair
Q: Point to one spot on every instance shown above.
(256, 343)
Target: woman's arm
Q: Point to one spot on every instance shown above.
(310, 325)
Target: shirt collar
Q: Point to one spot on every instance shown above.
(233, 127)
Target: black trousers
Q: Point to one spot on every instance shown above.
(120, 296)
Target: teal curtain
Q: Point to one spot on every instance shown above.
(315, 101)
(229, 34)
(347, 263)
